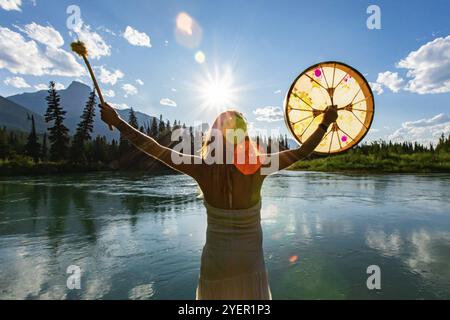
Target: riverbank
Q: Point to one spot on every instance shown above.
(28, 167)
(349, 162)
(426, 162)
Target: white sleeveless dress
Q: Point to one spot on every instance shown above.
(232, 266)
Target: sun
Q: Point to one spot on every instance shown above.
(217, 94)
(217, 91)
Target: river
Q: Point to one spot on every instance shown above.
(141, 237)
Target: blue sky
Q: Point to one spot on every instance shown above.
(261, 45)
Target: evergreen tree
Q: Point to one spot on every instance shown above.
(44, 151)
(84, 130)
(4, 147)
(58, 133)
(113, 150)
(33, 148)
(154, 128)
(124, 145)
(132, 119)
(100, 149)
(191, 136)
(162, 126)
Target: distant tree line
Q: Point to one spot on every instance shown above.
(57, 146)
(382, 148)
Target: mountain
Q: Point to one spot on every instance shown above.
(292, 144)
(16, 117)
(73, 100)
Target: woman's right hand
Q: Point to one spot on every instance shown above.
(109, 115)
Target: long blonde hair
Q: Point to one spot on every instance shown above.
(227, 120)
(230, 119)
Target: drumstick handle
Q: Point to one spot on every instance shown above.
(97, 87)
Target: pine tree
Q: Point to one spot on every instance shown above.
(113, 150)
(58, 133)
(4, 147)
(32, 148)
(148, 130)
(84, 130)
(132, 119)
(162, 126)
(154, 129)
(191, 136)
(44, 151)
(100, 149)
(123, 146)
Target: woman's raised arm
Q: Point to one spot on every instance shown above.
(190, 165)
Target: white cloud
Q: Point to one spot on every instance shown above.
(136, 38)
(107, 76)
(97, 47)
(109, 93)
(107, 30)
(63, 63)
(41, 86)
(269, 114)
(390, 80)
(424, 131)
(277, 91)
(173, 90)
(140, 82)
(129, 89)
(45, 35)
(119, 106)
(20, 56)
(378, 88)
(16, 82)
(59, 86)
(168, 102)
(428, 70)
(429, 67)
(11, 5)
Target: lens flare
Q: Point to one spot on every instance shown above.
(184, 23)
(200, 57)
(188, 31)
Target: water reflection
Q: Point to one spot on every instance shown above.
(387, 244)
(142, 237)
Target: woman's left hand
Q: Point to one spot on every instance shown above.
(330, 115)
